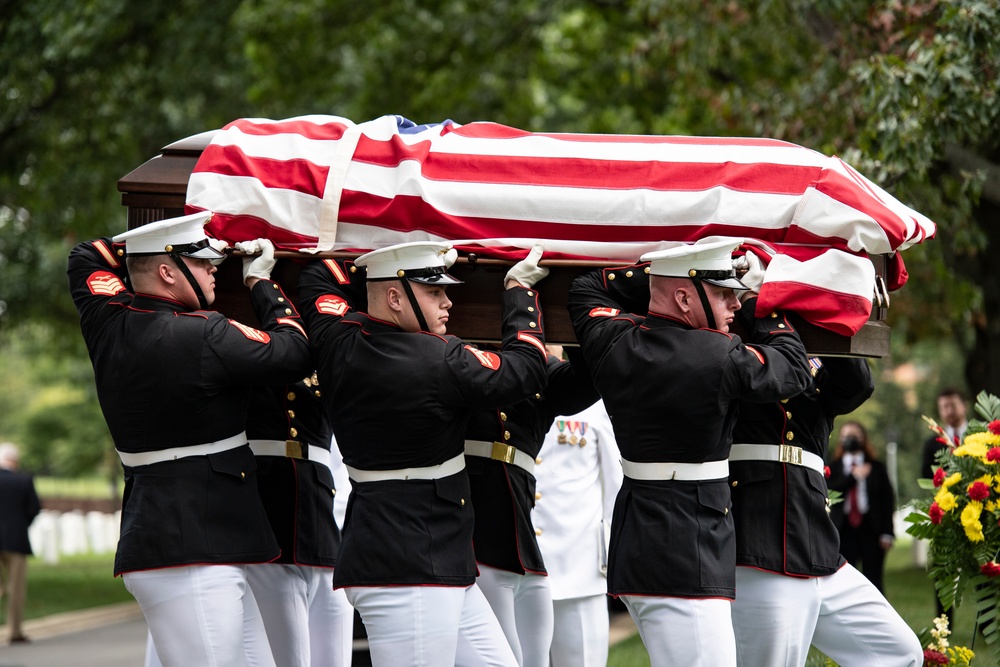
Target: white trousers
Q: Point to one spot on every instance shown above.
(523, 605)
(430, 626)
(195, 614)
(681, 631)
(307, 622)
(255, 646)
(580, 634)
(843, 615)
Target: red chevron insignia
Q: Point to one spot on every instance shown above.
(329, 304)
(104, 283)
(255, 335)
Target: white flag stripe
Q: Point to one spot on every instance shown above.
(833, 270)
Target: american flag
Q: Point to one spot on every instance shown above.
(326, 183)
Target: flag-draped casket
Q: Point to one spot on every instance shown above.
(324, 183)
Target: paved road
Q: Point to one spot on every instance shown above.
(113, 636)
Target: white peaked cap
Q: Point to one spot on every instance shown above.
(710, 260)
(421, 261)
(184, 235)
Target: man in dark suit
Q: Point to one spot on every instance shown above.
(952, 413)
(18, 508)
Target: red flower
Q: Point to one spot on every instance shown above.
(939, 476)
(935, 513)
(991, 569)
(943, 440)
(994, 427)
(978, 491)
(826, 470)
(934, 657)
(993, 454)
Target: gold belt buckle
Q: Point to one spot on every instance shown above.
(790, 454)
(293, 449)
(503, 452)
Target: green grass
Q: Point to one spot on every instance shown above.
(909, 591)
(80, 487)
(74, 583)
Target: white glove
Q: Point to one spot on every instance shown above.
(754, 276)
(260, 266)
(527, 272)
(450, 257)
(220, 246)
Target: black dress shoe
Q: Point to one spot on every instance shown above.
(20, 639)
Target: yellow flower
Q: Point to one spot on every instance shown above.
(945, 499)
(984, 440)
(960, 655)
(951, 480)
(976, 448)
(970, 521)
(991, 506)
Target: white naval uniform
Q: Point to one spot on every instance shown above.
(577, 486)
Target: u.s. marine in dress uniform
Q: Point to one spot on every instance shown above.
(671, 380)
(793, 588)
(307, 621)
(174, 383)
(398, 392)
(501, 448)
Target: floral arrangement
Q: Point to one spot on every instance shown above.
(938, 650)
(962, 521)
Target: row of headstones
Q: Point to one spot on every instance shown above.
(54, 534)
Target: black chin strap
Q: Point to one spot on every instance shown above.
(709, 315)
(413, 304)
(179, 261)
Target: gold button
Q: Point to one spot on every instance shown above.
(538, 495)
(506, 435)
(646, 270)
(354, 269)
(538, 532)
(333, 492)
(813, 372)
(611, 276)
(781, 326)
(530, 293)
(538, 396)
(120, 252)
(774, 314)
(735, 483)
(291, 414)
(281, 299)
(291, 396)
(169, 248)
(628, 274)
(538, 461)
(293, 432)
(817, 390)
(532, 325)
(784, 400)
(503, 416)
(288, 311)
(531, 309)
(274, 285)
(462, 502)
(788, 415)
(692, 273)
(316, 392)
(725, 512)
(789, 436)
(243, 475)
(400, 273)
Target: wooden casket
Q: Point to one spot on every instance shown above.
(157, 189)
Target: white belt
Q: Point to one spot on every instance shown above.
(133, 459)
(292, 449)
(777, 453)
(500, 451)
(676, 471)
(446, 469)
